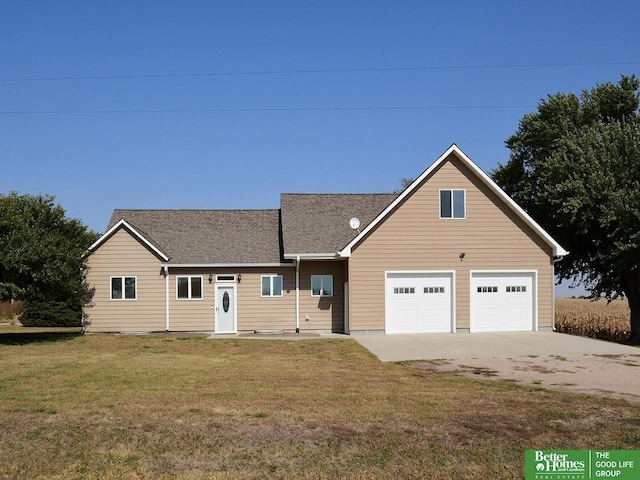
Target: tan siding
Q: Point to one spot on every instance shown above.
(413, 237)
(190, 315)
(122, 255)
(254, 311)
(322, 313)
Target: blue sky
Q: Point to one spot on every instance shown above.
(226, 104)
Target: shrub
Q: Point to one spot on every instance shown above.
(40, 313)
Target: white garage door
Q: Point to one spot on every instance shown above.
(502, 302)
(418, 302)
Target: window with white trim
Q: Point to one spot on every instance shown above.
(516, 288)
(452, 204)
(401, 290)
(433, 289)
(322, 285)
(225, 278)
(189, 288)
(123, 288)
(491, 289)
(271, 285)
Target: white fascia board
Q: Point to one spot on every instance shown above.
(558, 251)
(226, 265)
(123, 223)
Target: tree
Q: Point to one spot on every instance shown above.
(575, 168)
(42, 259)
(404, 183)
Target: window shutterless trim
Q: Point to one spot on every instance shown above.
(124, 282)
(189, 287)
(271, 286)
(226, 277)
(322, 289)
(452, 203)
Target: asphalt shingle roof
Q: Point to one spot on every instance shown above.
(209, 236)
(319, 223)
(306, 223)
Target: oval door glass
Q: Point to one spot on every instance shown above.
(225, 302)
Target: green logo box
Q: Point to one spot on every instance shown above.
(582, 464)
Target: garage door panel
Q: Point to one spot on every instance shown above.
(418, 303)
(502, 302)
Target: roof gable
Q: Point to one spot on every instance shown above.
(122, 223)
(453, 149)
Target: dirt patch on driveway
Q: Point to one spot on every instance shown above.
(614, 376)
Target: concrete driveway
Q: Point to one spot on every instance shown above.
(544, 359)
(391, 348)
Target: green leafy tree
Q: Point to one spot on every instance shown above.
(575, 167)
(404, 183)
(42, 259)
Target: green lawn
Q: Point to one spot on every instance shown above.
(169, 406)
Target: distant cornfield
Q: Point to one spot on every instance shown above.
(599, 319)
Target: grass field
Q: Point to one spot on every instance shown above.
(596, 319)
(169, 406)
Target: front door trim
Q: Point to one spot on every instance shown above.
(218, 305)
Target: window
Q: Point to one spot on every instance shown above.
(123, 288)
(322, 285)
(225, 278)
(452, 204)
(516, 288)
(487, 289)
(189, 288)
(404, 290)
(271, 285)
(433, 289)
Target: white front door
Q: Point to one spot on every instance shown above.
(225, 308)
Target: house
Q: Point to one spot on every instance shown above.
(451, 253)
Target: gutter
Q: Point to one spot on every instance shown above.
(225, 265)
(312, 256)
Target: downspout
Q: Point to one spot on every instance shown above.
(298, 294)
(166, 290)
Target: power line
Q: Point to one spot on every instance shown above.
(248, 110)
(311, 71)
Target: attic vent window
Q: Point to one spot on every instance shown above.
(452, 204)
